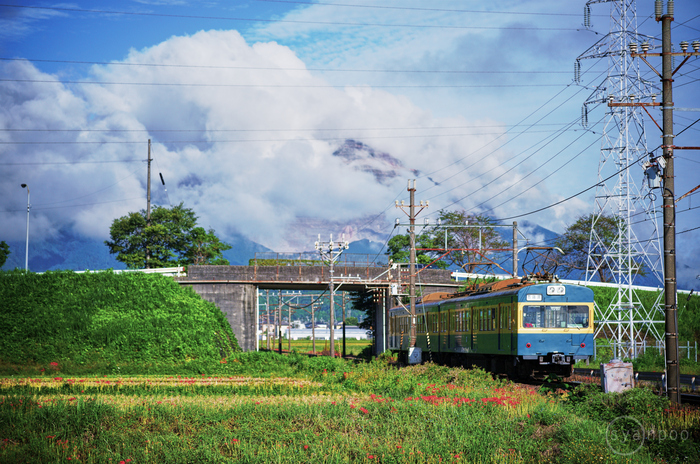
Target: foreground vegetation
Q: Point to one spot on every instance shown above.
(264, 407)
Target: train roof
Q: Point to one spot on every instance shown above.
(523, 289)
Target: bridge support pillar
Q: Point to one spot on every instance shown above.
(238, 303)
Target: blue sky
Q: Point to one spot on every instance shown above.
(246, 103)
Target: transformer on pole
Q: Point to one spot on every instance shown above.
(633, 248)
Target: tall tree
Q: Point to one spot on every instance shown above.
(171, 239)
(485, 237)
(4, 252)
(574, 242)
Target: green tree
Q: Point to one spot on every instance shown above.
(351, 320)
(4, 252)
(430, 244)
(575, 240)
(171, 239)
(399, 250)
(469, 239)
(364, 301)
(206, 248)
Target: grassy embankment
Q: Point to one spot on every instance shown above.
(263, 407)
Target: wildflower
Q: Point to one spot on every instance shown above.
(234, 441)
(53, 363)
(370, 456)
(398, 446)
(306, 447)
(364, 410)
(58, 379)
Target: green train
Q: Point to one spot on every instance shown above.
(519, 327)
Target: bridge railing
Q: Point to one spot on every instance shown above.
(309, 258)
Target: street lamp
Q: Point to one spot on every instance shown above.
(26, 248)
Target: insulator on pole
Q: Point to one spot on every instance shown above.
(584, 116)
(658, 10)
(670, 8)
(577, 71)
(587, 16)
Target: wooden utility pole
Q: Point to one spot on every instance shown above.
(669, 211)
(669, 202)
(412, 253)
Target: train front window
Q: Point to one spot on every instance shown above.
(555, 316)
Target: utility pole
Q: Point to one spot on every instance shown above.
(148, 203)
(279, 319)
(669, 209)
(330, 252)
(267, 326)
(344, 354)
(412, 255)
(669, 202)
(515, 248)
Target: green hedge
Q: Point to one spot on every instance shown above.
(107, 319)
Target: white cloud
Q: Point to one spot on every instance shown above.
(260, 132)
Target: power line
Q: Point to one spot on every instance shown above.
(294, 139)
(290, 21)
(413, 128)
(572, 196)
(284, 86)
(689, 230)
(74, 206)
(42, 163)
(439, 10)
(269, 68)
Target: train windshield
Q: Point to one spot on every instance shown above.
(555, 316)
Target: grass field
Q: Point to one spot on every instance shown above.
(263, 407)
(353, 347)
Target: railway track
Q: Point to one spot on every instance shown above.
(659, 379)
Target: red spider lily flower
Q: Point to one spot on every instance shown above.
(53, 363)
(306, 447)
(364, 410)
(398, 447)
(370, 456)
(234, 441)
(352, 406)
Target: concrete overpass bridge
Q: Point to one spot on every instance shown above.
(235, 289)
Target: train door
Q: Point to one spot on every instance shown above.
(504, 327)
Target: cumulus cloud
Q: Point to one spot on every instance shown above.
(245, 135)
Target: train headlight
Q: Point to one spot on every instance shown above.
(556, 290)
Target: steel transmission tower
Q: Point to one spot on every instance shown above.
(630, 245)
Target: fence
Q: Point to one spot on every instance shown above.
(634, 350)
(309, 258)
